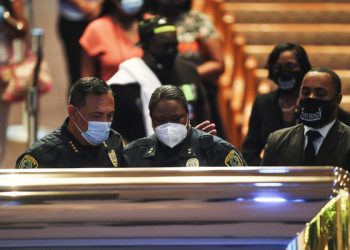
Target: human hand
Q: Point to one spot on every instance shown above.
(207, 127)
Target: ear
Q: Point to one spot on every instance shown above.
(338, 99)
(70, 109)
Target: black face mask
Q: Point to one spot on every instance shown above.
(315, 112)
(288, 80)
(166, 59)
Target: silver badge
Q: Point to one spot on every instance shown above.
(192, 162)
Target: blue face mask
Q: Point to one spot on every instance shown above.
(131, 7)
(96, 133)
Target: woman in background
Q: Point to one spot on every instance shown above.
(287, 64)
(110, 39)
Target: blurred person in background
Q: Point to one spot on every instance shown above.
(13, 25)
(137, 78)
(175, 142)
(110, 39)
(287, 65)
(74, 16)
(199, 42)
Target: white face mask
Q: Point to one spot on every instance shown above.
(171, 134)
(96, 133)
(131, 7)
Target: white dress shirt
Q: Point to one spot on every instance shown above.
(323, 131)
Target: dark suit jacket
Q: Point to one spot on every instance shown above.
(265, 118)
(285, 147)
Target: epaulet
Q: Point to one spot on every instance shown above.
(138, 143)
(115, 137)
(233, 157)
(206, 141)
(39, 148)
(47, 143)
(223, 143)
(115, 133)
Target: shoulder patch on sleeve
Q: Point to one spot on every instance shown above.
(233, 159)
(28, 161)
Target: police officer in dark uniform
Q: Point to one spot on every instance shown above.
(85, 139)
(175, 142)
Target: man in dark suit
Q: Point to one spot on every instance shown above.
(320, 138)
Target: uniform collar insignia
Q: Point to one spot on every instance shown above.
(151, 151)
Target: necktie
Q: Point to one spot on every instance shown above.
(310, 152)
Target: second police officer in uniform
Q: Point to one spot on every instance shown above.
(175, 142)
